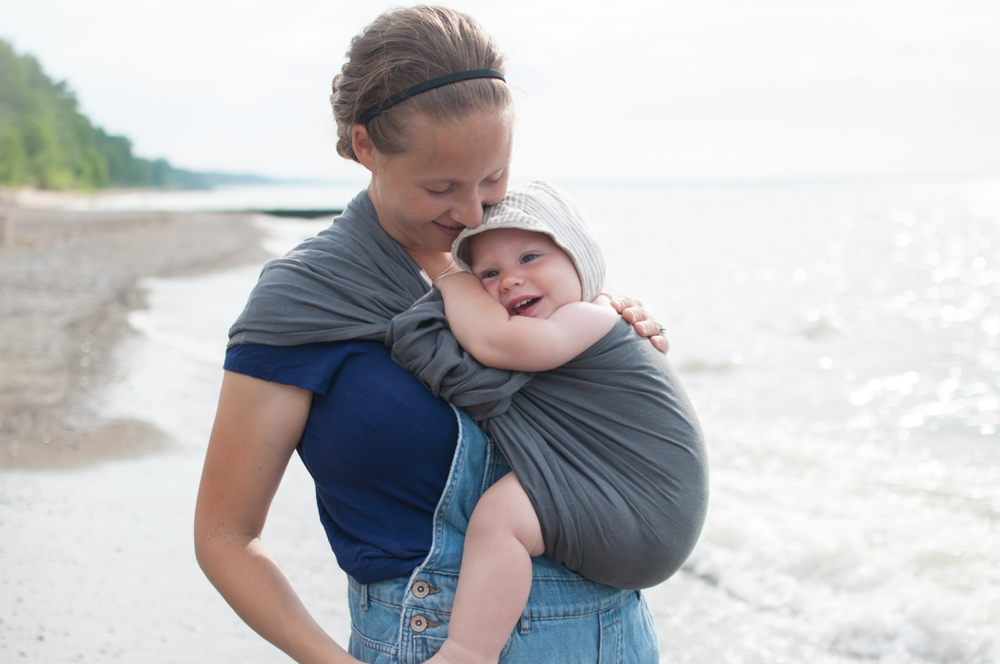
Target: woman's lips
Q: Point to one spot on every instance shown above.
(448, 230)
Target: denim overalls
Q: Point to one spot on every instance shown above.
(568, 620)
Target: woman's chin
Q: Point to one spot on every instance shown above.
(439, 242)
(429, 245)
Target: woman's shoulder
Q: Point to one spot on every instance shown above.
(346, 283)
(356, 224)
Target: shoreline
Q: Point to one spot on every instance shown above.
(67, 283)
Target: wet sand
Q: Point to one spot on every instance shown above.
(67, 282)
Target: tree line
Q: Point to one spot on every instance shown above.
(46, 142)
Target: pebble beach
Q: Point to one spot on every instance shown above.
(67, 282)
(96, 556)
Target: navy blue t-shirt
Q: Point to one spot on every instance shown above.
(377, 443)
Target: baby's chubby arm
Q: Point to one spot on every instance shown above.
(519, 343)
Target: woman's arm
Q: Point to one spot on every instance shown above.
(520, 343)
(257, 427)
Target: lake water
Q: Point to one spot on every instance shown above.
(841, 343)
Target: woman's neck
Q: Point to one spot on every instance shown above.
(430, 261)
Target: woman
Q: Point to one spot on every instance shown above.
(397, 471)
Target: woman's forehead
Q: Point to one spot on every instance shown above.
(477, 144)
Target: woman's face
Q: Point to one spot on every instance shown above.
(426, 196)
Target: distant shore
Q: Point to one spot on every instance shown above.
(67, 282)
(32, 198)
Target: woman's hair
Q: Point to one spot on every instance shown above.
(404, 47)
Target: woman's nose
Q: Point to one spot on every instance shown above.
(468, 211)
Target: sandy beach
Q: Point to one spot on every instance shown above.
(67, 281)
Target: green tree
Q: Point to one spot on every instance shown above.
(46, 142)
(13, 157)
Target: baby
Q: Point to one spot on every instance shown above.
(609, 471)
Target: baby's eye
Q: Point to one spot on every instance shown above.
(488, 274)
(527, 258)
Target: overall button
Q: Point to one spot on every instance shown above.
(418, 623)
(421, 589)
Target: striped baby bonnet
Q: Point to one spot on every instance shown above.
(541, 207)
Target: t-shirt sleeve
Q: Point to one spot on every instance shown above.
(308, 366)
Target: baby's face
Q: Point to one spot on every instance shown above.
(524, 271)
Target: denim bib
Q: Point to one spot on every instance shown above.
(567, 620)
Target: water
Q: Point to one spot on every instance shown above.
(329, 196)
(840, 343)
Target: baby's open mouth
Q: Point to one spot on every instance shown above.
(522, 305)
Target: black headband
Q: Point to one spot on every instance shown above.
(447, 79)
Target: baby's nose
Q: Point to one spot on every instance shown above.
(510, 280)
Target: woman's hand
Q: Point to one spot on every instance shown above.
(257, 427)
(632, 311)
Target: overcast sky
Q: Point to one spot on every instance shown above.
(621, 89)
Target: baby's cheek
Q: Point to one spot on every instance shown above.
(491, 287)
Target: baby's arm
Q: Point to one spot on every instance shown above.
(519, 343)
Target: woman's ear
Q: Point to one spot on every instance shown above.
(364, 149)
